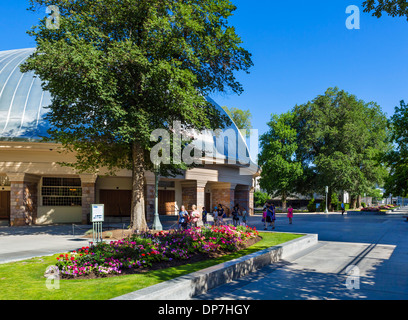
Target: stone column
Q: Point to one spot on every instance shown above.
(251, 202)
(200, 190)
(23, 198)
(88, 182)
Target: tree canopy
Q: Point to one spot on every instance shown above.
(117, 70)
(280, 169)
(397, 158)
(242, 118)
(342, 139)
(393, 8)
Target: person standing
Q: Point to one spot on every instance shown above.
(272, 216)
(264, 215)
(215, 216)
(244, 216)
(204, 215)
(235, 215)
(290, 214)
(183, 218)
(195, 216)
(220, 215)
(342, 208)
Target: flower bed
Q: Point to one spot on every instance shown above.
(378, 209)
(371, 209)
(140, 253)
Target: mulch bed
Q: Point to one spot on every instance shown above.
(118, 235)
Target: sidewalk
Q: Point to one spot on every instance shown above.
(19, 243)
(377, 246)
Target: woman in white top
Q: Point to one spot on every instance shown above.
(195, 216)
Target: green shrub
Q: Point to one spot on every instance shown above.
(311, 205)
(260, 198)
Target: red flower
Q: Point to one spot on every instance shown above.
(72, 258)
(143, 254)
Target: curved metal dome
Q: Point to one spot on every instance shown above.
(22, 100)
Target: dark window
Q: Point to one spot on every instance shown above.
(61, 192)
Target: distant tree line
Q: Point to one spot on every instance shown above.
(335, 140)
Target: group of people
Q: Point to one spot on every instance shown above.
(269, 215)
(218, 214)
(186, 218)
(239, 215)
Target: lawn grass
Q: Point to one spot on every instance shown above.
(24, 280)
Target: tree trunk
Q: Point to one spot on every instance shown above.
(138, 218)
(284, 201)
(353, 202)
(329, 200)
(358, 202)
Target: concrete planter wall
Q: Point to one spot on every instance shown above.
(200, 282)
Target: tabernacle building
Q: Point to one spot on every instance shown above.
(35, 189)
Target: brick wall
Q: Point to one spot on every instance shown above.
(23, 203)
(223, 196)
(189, 196)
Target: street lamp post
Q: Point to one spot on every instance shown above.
(156, 222)
(327, 191)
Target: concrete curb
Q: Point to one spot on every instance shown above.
(188, 286)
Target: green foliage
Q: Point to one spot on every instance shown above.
(335, 200)
(397, 159)
(280, 169)
(375, 194)
(340, 142)
(260, 198)
(311, 206)
(393, 8)
(117, 70)
(241, 118)
(25, 279)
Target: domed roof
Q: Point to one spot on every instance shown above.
(23, 105)
(22, 100)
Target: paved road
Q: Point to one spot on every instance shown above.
(19, 243)
(376, 245)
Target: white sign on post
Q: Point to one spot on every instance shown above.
(97, 213)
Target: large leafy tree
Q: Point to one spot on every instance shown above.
(117, 70)
(397, 158)
(341, 140)
(280, 169)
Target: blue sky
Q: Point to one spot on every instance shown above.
(300, 48)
